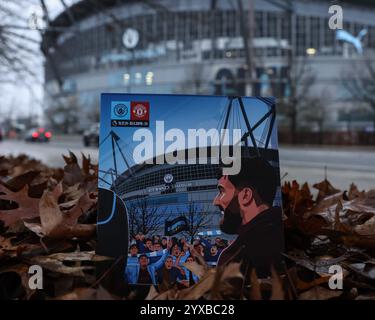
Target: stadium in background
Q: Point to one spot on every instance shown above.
(197, 47)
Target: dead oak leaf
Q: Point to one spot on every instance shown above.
(325, 189)
(232, 271)
(365, 203)
(18, 182)
(199, 289)
(73, 193)
(13, 250)
(277, 286)
(319, 293)
(195, 268)
(359, 241)
(28, 207)
(55, 265)
(152, 294)
(355, 193)
(296, 200)
(74, 174)
(324, 205)
(59, 225)
(88, 294)
(77, 256)
(255, 291)
(366, 229)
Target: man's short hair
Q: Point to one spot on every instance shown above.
(259, 175)
(141, 256)
(148, 239)
(133, 246)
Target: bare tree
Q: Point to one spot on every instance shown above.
(314, 111)
(94, 115)
(19, 53)
(18, 49)
(301, 80)
(194, 80)
(64, 115)
(359, 81)
(197, 217)
(132, 219)
(145, 218)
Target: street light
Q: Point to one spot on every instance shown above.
(311, 51)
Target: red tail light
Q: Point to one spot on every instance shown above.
(48, 134)
(35, 134)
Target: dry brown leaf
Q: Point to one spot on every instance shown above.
(58, 225)
(152, 294)
(72, 174)
(366, 297)
(366, 229)
(27, 207)
(18, 182)
(55, 265)
(199, 289)
(73, 192)
(320, 265)
(364, 270)
(277, 286)
(79, 256)
(302, 285)
(319, 293)
(87, 294)
(296, 200)
(337, 224)
(232, 271)
(196, 268)
(365, 203)
(255, 292)
(325, 189)
(11, 250)
(85, 164)
(83, 205)
(322, 208)
(354, 192)
(354, 240)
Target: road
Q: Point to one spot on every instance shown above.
(342, 165)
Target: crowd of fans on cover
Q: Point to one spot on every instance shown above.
(160, 260)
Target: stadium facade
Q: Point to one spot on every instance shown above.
(195, 46)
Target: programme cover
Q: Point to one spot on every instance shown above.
(188, 179)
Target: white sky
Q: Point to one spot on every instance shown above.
(17, 99)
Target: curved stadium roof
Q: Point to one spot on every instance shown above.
(85, 8)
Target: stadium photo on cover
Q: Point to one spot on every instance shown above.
(188, 180)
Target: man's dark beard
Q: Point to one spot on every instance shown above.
(232, 217)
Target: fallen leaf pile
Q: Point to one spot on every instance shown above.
(48, 216)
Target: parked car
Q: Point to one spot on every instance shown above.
(38, 135)
(91, 136)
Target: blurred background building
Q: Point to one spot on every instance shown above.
(281, 48)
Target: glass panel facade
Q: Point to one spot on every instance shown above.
(190, 26)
